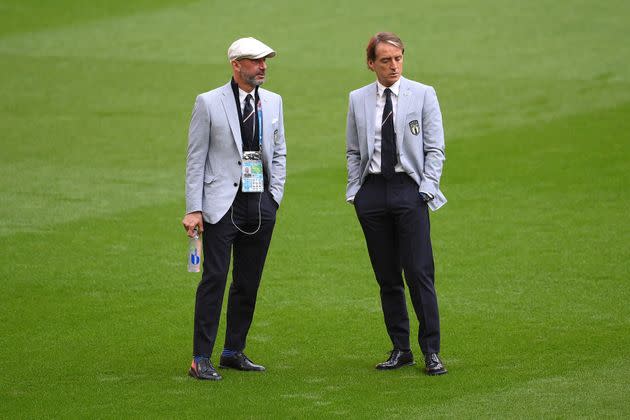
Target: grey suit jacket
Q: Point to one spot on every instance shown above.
(215, 151)
(419, 137)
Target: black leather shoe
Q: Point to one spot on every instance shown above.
(203, 369)
(239, 361)
(433, 364)
(397, 359)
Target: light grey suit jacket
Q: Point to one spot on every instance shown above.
(419, 137)
(215, 151)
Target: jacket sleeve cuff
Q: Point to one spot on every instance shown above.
(192, 209)
(428, 188)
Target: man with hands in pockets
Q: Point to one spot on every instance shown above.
(395, 153)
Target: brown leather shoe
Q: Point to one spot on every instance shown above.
(397, 359)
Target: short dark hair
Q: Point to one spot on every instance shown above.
(389, 37)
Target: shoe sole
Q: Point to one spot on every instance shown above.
(437, 373)
(242, 370)
(397, 367)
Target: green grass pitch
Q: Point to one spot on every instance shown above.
(531, 251)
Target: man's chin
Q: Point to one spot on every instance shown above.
(390, 80)
(257, 82)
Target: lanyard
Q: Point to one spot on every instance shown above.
(260, 128)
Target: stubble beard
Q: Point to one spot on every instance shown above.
(251, 79)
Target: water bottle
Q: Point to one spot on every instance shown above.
(194, 253)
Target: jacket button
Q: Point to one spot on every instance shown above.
(239, 163)
(235, 184)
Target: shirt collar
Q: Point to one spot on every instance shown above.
(395, 88)
(242, 95)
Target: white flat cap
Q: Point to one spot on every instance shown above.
(249, 48)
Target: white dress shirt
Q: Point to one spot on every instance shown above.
(375, 162)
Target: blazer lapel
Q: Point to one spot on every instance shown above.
(370, 115)
(404, 99)
(232, 116)
(266, 129)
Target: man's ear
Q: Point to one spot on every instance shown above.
(370, 64)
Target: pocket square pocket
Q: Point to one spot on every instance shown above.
(274, 125)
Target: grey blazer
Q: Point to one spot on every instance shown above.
(419, 137)
(213, 169)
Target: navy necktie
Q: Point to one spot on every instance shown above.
(249, 126)
(388, 138)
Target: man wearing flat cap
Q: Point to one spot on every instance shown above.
(235, 174)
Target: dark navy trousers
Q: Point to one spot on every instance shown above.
(220, 241)
(395, 222)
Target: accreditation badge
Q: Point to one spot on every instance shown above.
(252, 179)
